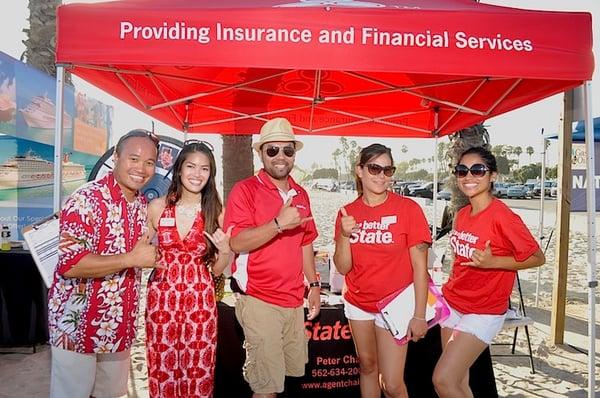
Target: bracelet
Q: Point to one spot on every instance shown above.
(419, 319)
(279, 230)
(315, 284)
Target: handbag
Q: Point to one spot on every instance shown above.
(397, 310)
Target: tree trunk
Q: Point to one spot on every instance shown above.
(40, 45)
(464, 139)
(237, 160)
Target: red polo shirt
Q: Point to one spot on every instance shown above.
(274, 272)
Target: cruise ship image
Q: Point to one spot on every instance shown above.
(40, 113)
(7, 108)
(29, 170)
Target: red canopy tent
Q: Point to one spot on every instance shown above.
(384, 68)
(387, 68)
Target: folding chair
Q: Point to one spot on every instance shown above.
(515, 319)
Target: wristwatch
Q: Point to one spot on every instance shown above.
(315, 284)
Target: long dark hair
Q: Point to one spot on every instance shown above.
(212, 206)
(486, 156)
(368, 153)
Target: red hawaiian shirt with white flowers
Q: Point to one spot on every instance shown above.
(96, 315)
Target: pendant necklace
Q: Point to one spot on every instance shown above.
(188, 211)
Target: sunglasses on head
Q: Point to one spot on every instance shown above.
(140, 133)
(288, 151)
(375, 169)
(477, 170)
(199, 142)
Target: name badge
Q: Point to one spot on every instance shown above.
(167, 222)
(389, 220)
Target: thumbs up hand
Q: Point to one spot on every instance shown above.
(347, 223)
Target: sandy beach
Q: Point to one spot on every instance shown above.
(561, 371)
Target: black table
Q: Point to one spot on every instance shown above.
(332, 370)
(23, 301)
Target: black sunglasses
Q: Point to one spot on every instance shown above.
(199, 142)
(477, 170)
(375, 169)
(288, 151)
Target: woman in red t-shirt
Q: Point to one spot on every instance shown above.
(490, 243)
(381, 247)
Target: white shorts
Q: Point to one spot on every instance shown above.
(354, 313)
(484, 327)
(76, 375)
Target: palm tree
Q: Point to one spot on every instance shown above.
(530, 152)
(464, 139)
(40, 44)
(518, 152)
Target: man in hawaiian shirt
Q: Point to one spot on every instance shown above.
(93, 300)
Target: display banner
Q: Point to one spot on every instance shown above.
(27, 130)
(579, 183)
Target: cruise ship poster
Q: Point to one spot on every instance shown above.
(8, 95)
(27, 176)
(36, 109)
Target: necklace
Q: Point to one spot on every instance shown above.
(188, 210)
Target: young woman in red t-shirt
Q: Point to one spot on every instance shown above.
(490, 243)
(381, 247)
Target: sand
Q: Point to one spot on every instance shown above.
(561, 371)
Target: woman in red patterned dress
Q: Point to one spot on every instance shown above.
(181, 316)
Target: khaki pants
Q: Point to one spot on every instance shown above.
(276, 343)
(76, 375)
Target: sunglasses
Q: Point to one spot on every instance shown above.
(375, 169)
(199, 142)
(288, 151)
(477, 170)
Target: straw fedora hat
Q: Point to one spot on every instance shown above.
(276, 130)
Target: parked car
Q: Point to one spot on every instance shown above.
(554, 190)
(348, 186)
(529, 187)
(547, 187)
(326, 184)
(445, 194)
(517, 191)
(426, 190)
(500, 189)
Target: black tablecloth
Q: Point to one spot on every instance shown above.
(23, 295)
(332, 370)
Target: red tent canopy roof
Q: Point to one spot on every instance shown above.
(375, 68)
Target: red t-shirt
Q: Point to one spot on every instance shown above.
(273, 272)
(473, 290)
(380, 249)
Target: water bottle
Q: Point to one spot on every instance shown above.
(5, 234)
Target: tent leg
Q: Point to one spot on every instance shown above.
(591, 215)
(58, 138)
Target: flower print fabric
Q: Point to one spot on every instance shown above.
(181, 317)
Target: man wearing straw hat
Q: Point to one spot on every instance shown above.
(273, 231)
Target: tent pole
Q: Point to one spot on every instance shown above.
(434, 197)
(186, 123)
(591, 214)
(541, 227)
(58, 138)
